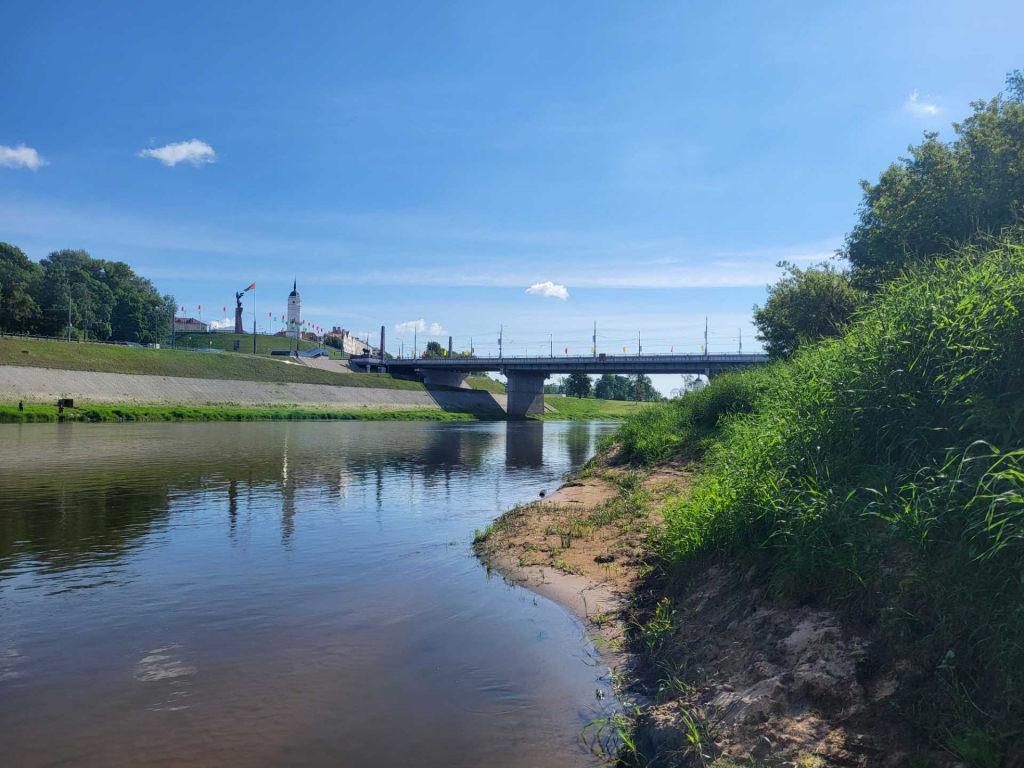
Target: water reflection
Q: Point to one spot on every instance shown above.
(283, 592)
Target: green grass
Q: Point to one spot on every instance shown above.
(882, 473)
(106, 413)
(588, 409)
(264, 344)
(688, 425)
(167, 362)
(486, 383)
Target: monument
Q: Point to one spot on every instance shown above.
(238, 312)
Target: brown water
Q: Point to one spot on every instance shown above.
(281, 594)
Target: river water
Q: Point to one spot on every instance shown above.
(281, 594)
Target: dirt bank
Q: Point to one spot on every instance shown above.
(45, 385)
(724, 675)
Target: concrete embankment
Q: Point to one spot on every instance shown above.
(45, 385)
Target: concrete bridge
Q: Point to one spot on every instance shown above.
(526, 375)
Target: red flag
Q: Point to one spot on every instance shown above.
(225, 309)
(249, 288)
(182, 309)
(200, 307)
(567, 350)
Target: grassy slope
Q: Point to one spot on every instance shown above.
(587, 409)
(883, 473)
(486, 384)
(166, 362)
(101, 413)
(264, 344)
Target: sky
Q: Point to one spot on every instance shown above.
(459, 168)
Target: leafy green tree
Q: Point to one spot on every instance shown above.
(943, 194)
(611, 387)
(434, 350)
(18, 310)
(578, 385)
(806, 305)
(641, 388)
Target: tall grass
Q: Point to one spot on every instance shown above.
(686, 426)
(882, 472)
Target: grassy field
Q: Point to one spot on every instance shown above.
(882, 473)
(103, 413)
(588, 409)
(167, 362)
(264, 344)
(487, 384)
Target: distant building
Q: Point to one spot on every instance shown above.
(349, 343)
(294, 316)
(189, 325)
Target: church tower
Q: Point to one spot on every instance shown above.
(294, 313)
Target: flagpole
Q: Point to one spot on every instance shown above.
(254, 318)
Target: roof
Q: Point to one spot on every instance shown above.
(295, 291)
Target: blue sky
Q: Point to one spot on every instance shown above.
(432, 161)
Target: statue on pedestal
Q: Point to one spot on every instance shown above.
(238, 312)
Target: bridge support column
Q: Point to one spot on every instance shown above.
(525, 394)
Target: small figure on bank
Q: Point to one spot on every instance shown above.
(21, 405)
(60, 407)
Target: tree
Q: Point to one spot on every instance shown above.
(806, 305)
(641, 388)
(18, 310)
(610, 387)
(554, 388)
(434, 350)
(578, 385)
(943, 194)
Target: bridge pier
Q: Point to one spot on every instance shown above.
(525, 394)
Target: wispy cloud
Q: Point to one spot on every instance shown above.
(225, 323)
(917, 106)
(549, 289)
(437, 330)
(21, 157)
(194, 151)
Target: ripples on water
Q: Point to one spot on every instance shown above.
(280, 593)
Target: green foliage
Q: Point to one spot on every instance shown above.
(578, 385)
(942, 194)
(108, 413)
(612, 387)
(884, 471)
(805, 306)
(107, 300)
(688, 424)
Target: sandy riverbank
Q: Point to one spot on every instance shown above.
(724, 675)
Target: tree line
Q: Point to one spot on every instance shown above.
(638, 387)
(106, 299)
(940, 196)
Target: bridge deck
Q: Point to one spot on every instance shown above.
(571, 364)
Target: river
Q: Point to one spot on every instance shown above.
(282, 593)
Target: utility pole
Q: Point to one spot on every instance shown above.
(741, 339)
(551, 344)
(254, 318)
(705, 335)
(501, 334)
(594, 350)
(639, 346)
(414, 350)
(472, 350)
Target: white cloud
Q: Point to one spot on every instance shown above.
(437, 330)
(918, 107)
(21, 157)
(225, 323)
(195, 151)
(549, 289)
(412, 325)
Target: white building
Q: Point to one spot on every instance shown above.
(294, 315)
